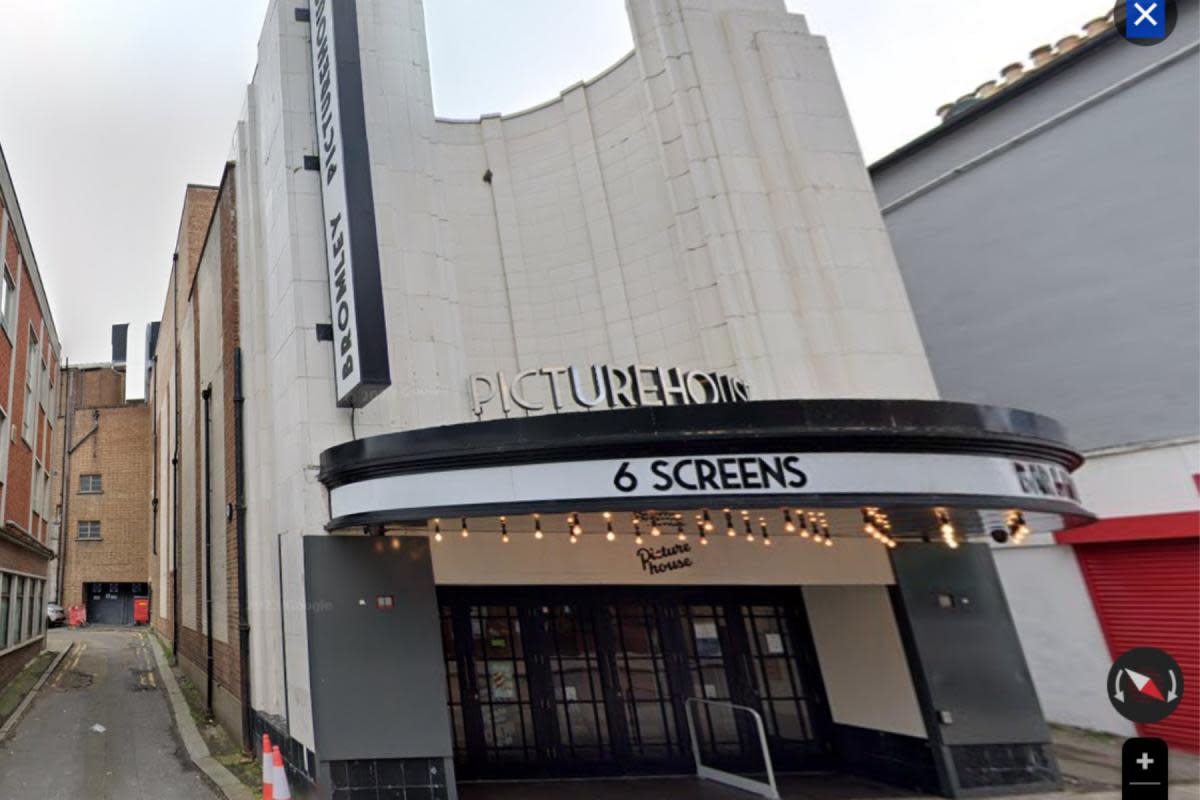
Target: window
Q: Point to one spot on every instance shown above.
(43, 382)
(29, 422)
(5, 433)
(5, 590)
(89, 529)
(7, 300)
(90, 484)
(19, 629)
(39, 610)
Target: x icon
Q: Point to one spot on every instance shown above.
(1145, 14)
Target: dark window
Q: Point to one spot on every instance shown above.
(6, 582)
(89, 529)
(90, 484)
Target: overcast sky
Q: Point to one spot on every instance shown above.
(109, 107)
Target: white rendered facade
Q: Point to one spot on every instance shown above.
(702, 204)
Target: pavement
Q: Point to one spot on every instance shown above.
(100, 728)
(1090, 764)
(810, 786)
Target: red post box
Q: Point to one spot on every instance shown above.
(141, 610)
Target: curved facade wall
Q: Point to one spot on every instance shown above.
(703, 204)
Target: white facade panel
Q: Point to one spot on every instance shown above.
(862, 659)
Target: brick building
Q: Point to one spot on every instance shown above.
(29, 362)
(104, 502)
(191, 391)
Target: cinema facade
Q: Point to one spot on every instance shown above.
(562, 434)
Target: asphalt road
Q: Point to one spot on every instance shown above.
(100, 729)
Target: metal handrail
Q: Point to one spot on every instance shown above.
(768, 789)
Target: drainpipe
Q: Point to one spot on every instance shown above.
(208, 599)
(175, 469)
(65, 479)
(239, 499)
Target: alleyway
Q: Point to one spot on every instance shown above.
(100, 729)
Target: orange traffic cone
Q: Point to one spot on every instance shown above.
(282, 792)
(268, 765)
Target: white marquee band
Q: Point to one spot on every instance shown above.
(723, 475)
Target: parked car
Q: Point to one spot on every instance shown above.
(55, 615)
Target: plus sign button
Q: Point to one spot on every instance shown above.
(1144, 769)
(1145, 685)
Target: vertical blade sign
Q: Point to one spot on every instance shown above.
(355, 292)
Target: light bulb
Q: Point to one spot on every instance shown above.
(637, 539)
(610, 536)
(654, 531)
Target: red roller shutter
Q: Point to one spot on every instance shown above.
(1147, 594)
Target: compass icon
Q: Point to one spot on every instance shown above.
(1145, 684)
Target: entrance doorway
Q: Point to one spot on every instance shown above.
(111, 603)
(563, 681)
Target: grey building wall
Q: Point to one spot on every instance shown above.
(1062, 275)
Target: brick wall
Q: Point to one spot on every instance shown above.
(114, 443)
(208, 221)
(14, 662)
(198, 205)
(22, 476)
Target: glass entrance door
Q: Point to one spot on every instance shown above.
(569, 681)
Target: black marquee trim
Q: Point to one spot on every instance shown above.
(886, 426)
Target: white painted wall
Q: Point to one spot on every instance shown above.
(207, 291)
(1150, 478)
(189, 611)
(862, 659)
(1060, 634)
(1049, 599)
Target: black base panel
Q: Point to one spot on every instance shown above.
(300, 761)
(902, 761)
(1004, 768)
(387, 778)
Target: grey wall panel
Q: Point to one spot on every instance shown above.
(966, 656)
(1062, 276)
(378, 679)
